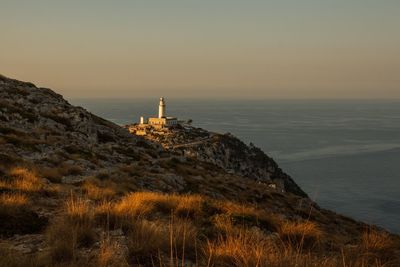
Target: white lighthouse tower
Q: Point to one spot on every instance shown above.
(162, 121)
(161, 108)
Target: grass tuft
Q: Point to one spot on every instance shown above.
(301, 234)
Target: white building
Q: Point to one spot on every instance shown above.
(162, 120)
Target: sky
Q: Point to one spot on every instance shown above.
(267, 49)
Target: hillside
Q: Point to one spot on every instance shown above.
(77, 190)
(223, 150)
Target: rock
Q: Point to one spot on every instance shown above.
(73, 180)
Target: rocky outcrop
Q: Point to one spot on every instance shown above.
(40, 126)
(230, 153)
(225, 151)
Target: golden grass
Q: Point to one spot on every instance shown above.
(165, 230)
(188, 205)
(135, 205)
(223, 224)
(13, 201)
(246, 215)
(78, 211)
(141, 204)
(111, 254)
(104, 210)
(245, 248)
(17, 215)
(147, 239)
(94, 191)
(25, 180)
(373, 240)
(74, 229)
(248, 248)
(300, 234)
(232, 208)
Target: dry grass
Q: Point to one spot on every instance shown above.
(165, 230)
(11, 258)
(223, 224)
(183, 235)
(245, 248)
(135, 205)
(378, 247)
(13, 207)
(373, 240)
(147, 239)
(79, 215)
(73, 230)
(300, 234)
(13, 201)
(142, 204)
(96, 191)
(188, 205)
(16, 215)
(25, 180)
(249, 248)
(63, 239)
(78, 211)
(232, 208)
(249, 216)
(111, 254)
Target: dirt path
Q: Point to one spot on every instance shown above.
(195, 143)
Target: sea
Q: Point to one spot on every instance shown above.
(345, 154)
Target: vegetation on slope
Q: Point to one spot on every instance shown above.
(94, 224)
(76, 190)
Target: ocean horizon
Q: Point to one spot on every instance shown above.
(344, 153)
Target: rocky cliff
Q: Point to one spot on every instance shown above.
(223, 150)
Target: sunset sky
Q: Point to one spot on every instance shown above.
(219, 48)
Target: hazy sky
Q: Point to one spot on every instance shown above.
(216, 48)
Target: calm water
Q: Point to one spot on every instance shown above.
(344, 154)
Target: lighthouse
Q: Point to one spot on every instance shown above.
(161, 108)
(162, 121)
